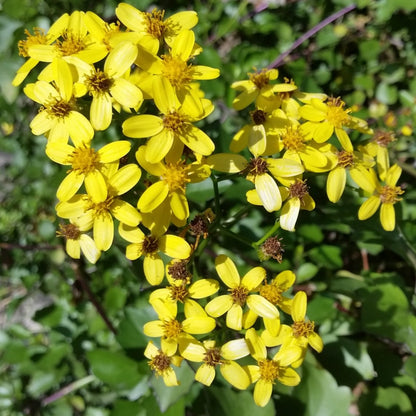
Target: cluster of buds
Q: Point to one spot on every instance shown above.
(142, 69)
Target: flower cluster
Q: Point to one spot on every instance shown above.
(139, 74)
(290, 135)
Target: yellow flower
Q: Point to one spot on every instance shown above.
(180, 291)
(242, 293)
(171, 330)
(262, 135)
(268, 371)
(296, 196)
(86, 165)
(354, 162)
(58, 117)
(378, 148)
(39, 37)
(100, 208)
(174, 68)
(315, 157)
(273, 293)
(380, 195)
(75, 42)
(326, 118)
(174, 130)
(149, 246)
(154, 26)
(169, 192)
(77, 241)
(160, 362)
(108, 87)
(258, 88)
(301, 333)
(257, 170)
(212, 356)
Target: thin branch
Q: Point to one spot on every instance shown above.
(280, 60)
(82, 278)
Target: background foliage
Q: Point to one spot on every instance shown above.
(361, 280)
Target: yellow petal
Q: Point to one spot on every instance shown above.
(235, 349)
(103, 231)
(120, 59)
(96, 186)
(262, 392)
(124, 179)
(154, 269)
(89, 248)
(299, 306)
(153, 196)
(335, 184)
(69, 186)
(227, 162)
(101, 111)
(387, 217)
(205, 374)
(197, 140)
(174, 246)
(125, 212)
(203, 288)
(268, 192)
(143, 125)
(227, 271)
(253, 278)
(289, 214)
(114, 151)
(198, 325)
(262, 307)
(234, 318)
(219, 305)
(235, 375)
(369, 207)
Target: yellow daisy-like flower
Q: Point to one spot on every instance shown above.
(212, 356)
(354, 162)
(268, 371)
(172, 131)
(169, 191)
(180, 74)
(150, 246)
(39, 37)
(86, 165)
(108, 87)
(100, 208)
(242, 293)
(258, 88)
(180, 291)
(273, 292)
(383, 196)
(161, 363)
(77, 241)
(378, 148)
(301, 333)
(315, 157)
(154, 26)
(257, 170)
(262, 135)
(108, 34)
(296, 196)
(75, 42)
(58, 117)
(171, 330)
(325, 118)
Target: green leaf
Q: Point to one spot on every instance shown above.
(167, 396)
(388, 401)
(311, 232)
(237, 403)
(321, 394)
(114, 368)
(327, 256)
(385, 311)
(386, 93)
(305, 272)
(114, 299)
(130, 331)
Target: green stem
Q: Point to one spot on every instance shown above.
(237, 237)
(269, 233)
(68, 389)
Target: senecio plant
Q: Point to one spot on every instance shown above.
(143, 68)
